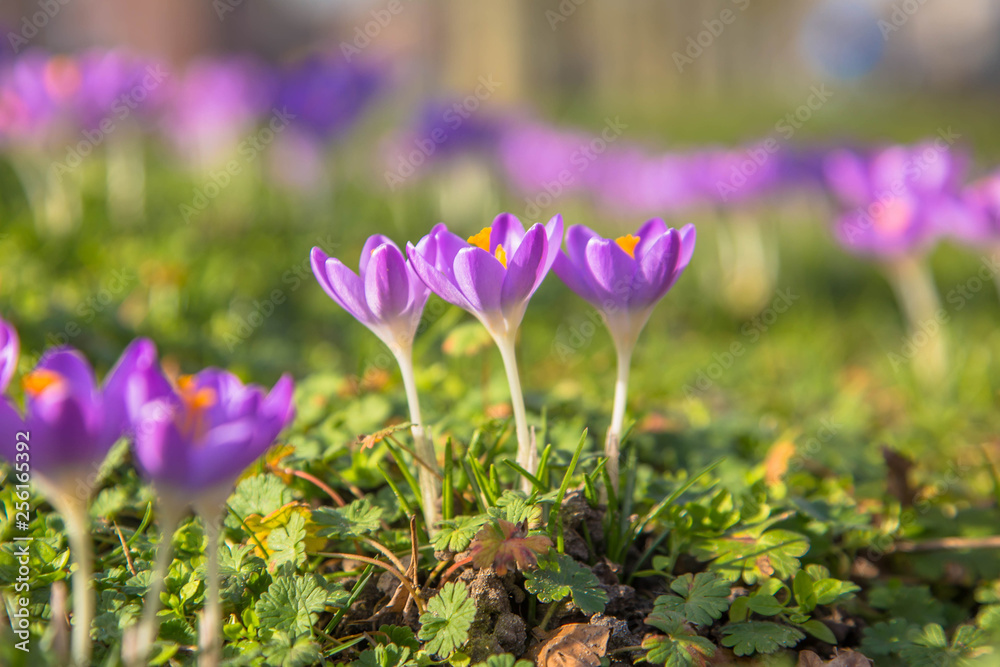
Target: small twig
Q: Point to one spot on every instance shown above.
(414, 555)
(128, 556)
(326, 488)
(416, 458)
(385, 566)
(451, 570)
(385, 551)
(437, 569)
(948, 543)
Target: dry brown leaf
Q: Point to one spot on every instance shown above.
(574, 645)
(843, 659)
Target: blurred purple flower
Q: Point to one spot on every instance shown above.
(193, 441)
(385, 295)
(73, 422)
(215, 104)
(35, 92)
(903, 198)
(115, 85)
(982, 224)
(624, 278)
(325, 95)
(9, 351)
(535, 156)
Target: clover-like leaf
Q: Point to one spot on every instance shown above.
(743, 555)
(445, 625)
(562, 576)
(704, 597)
(886, 638)
(513, 506)
(508, 546)
(456, 534)
(285, 650)
(683, 650)
(385, 655)
(930, 647)
(752, 637)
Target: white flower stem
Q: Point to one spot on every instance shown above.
(916, 292)
(430, 485)
(148, 627)
(612, 443)
(75, 515)
(210, 630)
(527, 455)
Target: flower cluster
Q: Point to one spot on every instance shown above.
(493, 275)
(191, 439)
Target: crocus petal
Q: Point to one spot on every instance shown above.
(688, 238)
(507, 231)
(524, 273)
(480, 277)
(277, 410)
(648, 235)
(161, 453)
(438, 282)
(612, 269)
(577, 238)
(223, 453)
(10, 425)
(62, 436)
(575, 278)
(374, 241)
(386, 288)
(554, 237)
(75, 370)
(9, 350)
(847, 176)
(345, 287)
(657, 272)
(135, 380)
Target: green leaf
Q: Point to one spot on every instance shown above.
(765, 605)
(455, 534)
(355, 520)
(752, 637)
(831, 591)
(912, 603)
(930, 648)
(703, 598)
(562, 576)
(504, 660)
(292, 603)
(742, 555)
(399, 635)
(385, 655)
(285, 651)
(819, 630)
(288, 541)
(260, 494)
(679, 649)
(445, 626)
(513, 506)
(887, 638)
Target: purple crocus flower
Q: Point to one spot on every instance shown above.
(192, 442)
(981, 225)
(388, 298)
(9, 350)
(195, 440)
(69, 425)
(898, 200)
(493, 276)
(73, 422)
(624, 279)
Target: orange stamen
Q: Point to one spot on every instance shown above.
(38, 381)
(196, 401)
(482, 239)
(628, 244)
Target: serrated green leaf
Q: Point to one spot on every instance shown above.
(703, 598)
(742, 555)
(284, 651)
(355, 520)
(513, 506)
(752, 637)
(291, 603)
(260, 494)
(399, 635)
(385, 655)
(559, 577)
(288, 542)
(504, 660)
(445, 626)
(682, 650)
(455, 534)
(887, 638)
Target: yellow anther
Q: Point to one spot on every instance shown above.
(628, 243)
(482, 239)
(501, 255)
(36, 382)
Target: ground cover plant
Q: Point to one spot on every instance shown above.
(809, 479)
